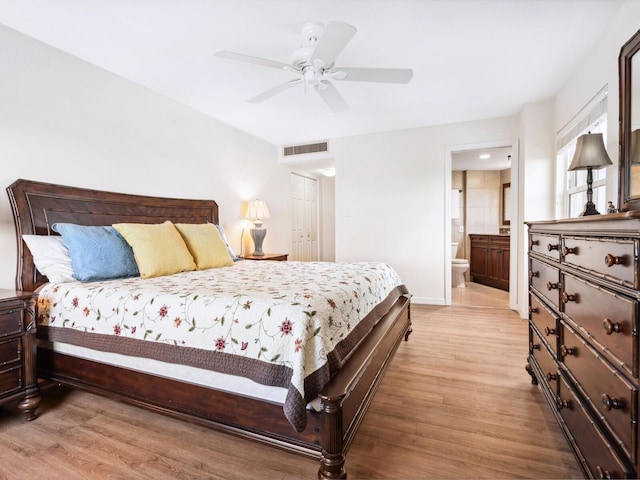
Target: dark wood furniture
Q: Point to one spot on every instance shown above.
(36, 206)
(276, 257)
(629, 171)
(18, 351)
(489, 260)
(583, 335)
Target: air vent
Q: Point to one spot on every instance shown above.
(304, 149)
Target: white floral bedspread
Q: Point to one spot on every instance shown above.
(287, 324)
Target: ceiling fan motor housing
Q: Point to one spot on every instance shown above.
(311, 33)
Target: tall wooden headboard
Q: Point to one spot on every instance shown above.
(37, 205)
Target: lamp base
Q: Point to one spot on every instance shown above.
(257, 235)
(589, 209)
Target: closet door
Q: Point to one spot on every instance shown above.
(304, 197)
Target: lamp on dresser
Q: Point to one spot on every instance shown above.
(590, 154)
(257, 211)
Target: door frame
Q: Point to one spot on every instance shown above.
(516, 222)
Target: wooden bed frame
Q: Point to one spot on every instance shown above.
(328, 435)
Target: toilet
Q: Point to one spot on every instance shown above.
(458, 268)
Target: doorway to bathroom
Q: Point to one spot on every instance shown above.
(481, 205)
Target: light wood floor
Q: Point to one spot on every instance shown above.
(477, 295)
(456, 403)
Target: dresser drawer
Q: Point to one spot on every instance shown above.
(609, 258)
(545, 360)
(9, 351)
(10, 321)
(545, 320)
(545, 279)
(611, 394)
(547, 245)
(609, 318)
(10, 379)
(601, 460)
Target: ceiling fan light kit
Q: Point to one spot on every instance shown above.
(314, 65)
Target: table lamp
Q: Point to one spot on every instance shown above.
(257, 211)
(590, 154)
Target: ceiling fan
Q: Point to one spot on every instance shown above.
(313, 63)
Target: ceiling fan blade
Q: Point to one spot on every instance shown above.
(384, 75)
(274, 91)
(334, 38)
(332, 97)
(255, 60)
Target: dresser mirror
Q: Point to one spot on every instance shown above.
(629, 70)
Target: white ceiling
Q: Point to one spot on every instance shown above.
(499, 159)
(472, 59)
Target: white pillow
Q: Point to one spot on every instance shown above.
(51, 257)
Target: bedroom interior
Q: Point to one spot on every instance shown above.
(149, 136)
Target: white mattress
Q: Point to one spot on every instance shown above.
(183, 373)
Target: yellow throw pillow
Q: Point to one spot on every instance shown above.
(158, 248)
(205, 244)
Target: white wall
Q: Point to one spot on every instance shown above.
(390, 198)
(536, 185)
(65, 121)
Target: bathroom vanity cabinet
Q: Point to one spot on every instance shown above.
(489, 262)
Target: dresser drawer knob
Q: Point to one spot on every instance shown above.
(560, 403)
(533, 274)
(602, 473)
(566, 351)
(568, 297)
(534, 346)
(570, 250)
(608, 403)
(549, 331)
(610, 327)
(552, 286)
(533, 243)
(551, 376)
(551, 246)
(611, 260)
(534, 310)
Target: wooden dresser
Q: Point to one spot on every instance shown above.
(584, 292)
(489, 260)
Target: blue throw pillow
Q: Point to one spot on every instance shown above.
(226, 242)
(97, 253)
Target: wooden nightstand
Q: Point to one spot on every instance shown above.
(278, 257)
(18, 351)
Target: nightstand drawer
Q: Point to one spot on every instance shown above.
(10, 322)
(10, 379)
(9, 351)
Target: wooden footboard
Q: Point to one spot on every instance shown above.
(328, 434)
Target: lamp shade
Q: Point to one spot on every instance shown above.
(258, 210)
(590, 153)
